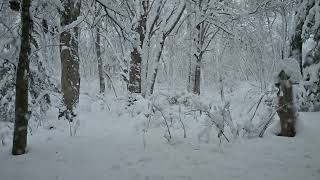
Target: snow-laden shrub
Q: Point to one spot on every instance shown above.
(291, 67)
(312, 87)
(7, 90)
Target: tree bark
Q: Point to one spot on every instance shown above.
(155, 71)
(136, 57)
(100, 64)
(199, 41)
(135, 72)
(286, 111)
(70, 78)
(21, 101)
(197, 77)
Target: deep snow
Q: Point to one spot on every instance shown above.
(110, 144)
(108, 147)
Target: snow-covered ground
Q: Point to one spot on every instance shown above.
(112, 146)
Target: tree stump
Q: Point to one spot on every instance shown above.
(286, 110)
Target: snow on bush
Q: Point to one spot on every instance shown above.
(291, 67)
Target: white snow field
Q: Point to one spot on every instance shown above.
(112, 146)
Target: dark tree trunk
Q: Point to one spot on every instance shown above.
(287, 111)
(197, 76)
(21, 101)
(155, 72)
(199, 41)
(70, 78)
(135, 72)
(136, 59)
(100, 64)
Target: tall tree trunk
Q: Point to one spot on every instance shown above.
(21, 101)
(135, 72)
(197, 77)
(100, 64)
(136, 57)
(198, 40)
(70, 79)
(286, 110)
(190, 79)
(155, 71)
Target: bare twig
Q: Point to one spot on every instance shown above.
(165, 120)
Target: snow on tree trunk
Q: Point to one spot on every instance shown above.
(198, 51)
(21, 104)
(191, 68)
(100, 64)
(286, 111)
(135, 72)
(287, 74)
(155, 71)
(70, 79)
(165, 28)
(197, 76)
(136, 57)
(203, 33)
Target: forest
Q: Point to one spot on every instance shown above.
(159, 89)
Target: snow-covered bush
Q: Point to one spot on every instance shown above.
(312, 86)
(7, 90)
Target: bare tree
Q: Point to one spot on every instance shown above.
(208, 18)
(165, 30)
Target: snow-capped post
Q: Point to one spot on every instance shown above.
(21, 103)
(287, 74)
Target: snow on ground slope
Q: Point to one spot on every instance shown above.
(109, 147)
